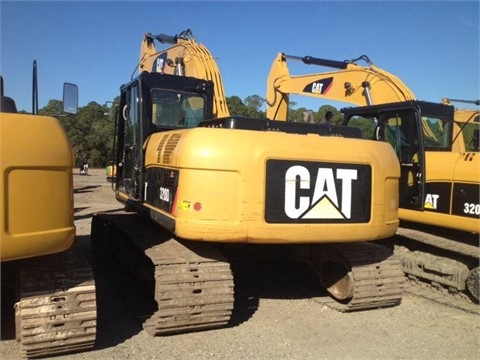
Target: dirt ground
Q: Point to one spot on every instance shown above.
(277, 316)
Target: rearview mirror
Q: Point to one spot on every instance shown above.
(70, 98)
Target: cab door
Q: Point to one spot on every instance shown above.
(401, 128)
(399, 125)
(129, 152)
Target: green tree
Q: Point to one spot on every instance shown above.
(236, 106)
(90, 132)
(254, 104)
(337, 115)
(53, 108)
(296, 115)
(366, 124)
(93, 142)
(250, 107)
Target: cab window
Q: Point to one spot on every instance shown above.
(436, 133)
(174, 109)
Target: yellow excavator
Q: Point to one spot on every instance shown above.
(206, 187)
(55, 304)
(451, 195)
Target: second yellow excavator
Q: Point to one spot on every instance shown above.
(452, 175)
(52, 282)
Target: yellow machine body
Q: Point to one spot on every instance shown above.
(446, 205)
(36, 187)
(219, 190)
(452, 172)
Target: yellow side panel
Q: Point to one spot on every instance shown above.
(32, 206)
(440, 165)
(36, 187)
(222, 187)
(467, 168)
(226, 209)
(441, 220)
(450, 170)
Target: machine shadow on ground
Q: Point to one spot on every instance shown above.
(123, 306)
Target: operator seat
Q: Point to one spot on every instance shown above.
(8, 105)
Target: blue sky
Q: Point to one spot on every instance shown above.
(433, 46)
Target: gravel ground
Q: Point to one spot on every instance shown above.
(278, 316)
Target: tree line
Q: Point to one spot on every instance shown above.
(91, 129)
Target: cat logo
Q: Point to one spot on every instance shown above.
(324, 202)
(319, 87)
(431, 201)
(317, 192)
(159, 63)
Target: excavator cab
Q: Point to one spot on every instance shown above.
(412, 128)
(402, 125)
(154, 103)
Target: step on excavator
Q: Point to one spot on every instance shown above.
(438, 237)
(202, 188)
(52, 282)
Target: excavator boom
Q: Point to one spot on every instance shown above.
(351, 83)
(185, 57)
